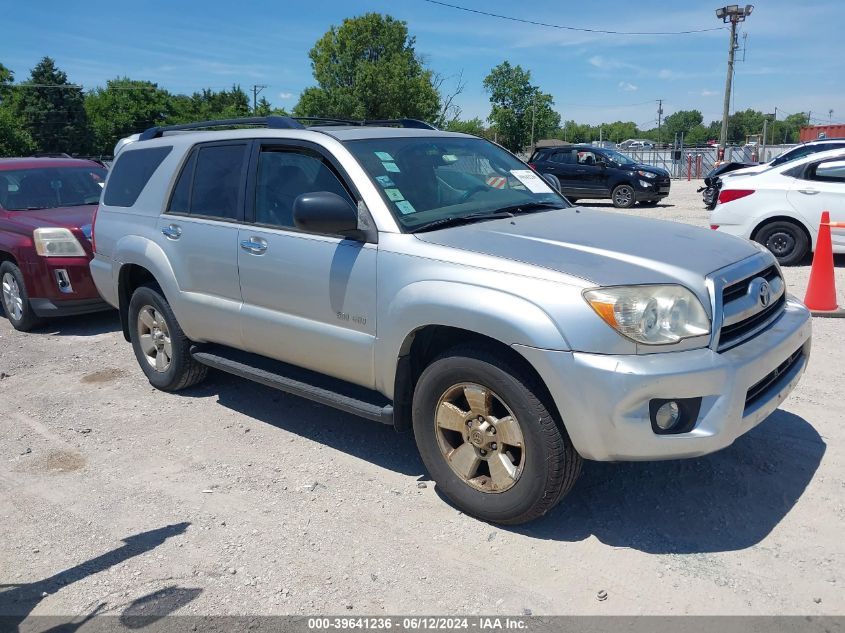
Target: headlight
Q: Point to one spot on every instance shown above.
(57, 243)
(647, 174)
(653, 315)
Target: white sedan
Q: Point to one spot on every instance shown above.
(781, 207)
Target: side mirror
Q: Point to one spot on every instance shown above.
(553, 181)
(325, 212)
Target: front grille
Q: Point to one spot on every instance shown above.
(743, 314)
(760, 389)
(739, 288)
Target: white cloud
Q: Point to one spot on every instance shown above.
(708, 93)
(666, 74)
(599, 62)
(627, 86)
(285, 95)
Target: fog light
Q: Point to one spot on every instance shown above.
(674, 416)
(667, 415)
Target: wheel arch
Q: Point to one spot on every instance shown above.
(142, 261)
(421, 346)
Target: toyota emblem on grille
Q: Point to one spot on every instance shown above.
(765, 294)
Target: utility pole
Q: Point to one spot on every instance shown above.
(533, 117)
(733, 14)
(256, 90)
(659, 119)
(762, 156)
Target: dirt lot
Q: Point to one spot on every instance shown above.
(231, 498)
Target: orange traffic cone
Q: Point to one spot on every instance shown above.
(821, 290)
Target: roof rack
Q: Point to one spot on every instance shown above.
(272, 122)
(408, 123)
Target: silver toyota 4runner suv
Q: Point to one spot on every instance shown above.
(431, 280)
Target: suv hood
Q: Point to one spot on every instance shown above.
(68, 217)
(649, 168)
(605, 249)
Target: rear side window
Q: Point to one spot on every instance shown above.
(131, 173)
(210, 182)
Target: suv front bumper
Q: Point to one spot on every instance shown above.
(604, 399)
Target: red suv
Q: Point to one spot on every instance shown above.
(47, 207)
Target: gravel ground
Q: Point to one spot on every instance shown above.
(231, 498)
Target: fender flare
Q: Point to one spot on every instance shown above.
(505, 317)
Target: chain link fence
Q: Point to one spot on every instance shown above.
(695, 162)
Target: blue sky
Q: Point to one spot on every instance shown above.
(794, 58)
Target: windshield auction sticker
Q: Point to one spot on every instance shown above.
(532, 181)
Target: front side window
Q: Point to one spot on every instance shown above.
(619, 159)
(430, 179)
(284, 174)
(210, 182)
(50, 187)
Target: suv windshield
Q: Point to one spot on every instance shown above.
(49, 187)
(431, 181)
(619, 159)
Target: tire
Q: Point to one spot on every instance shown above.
(154, 331)
(786, 240)
(623, 196)
(15, 299)
(544, 465)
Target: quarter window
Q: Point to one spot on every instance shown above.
(131, 173)
(283, 175)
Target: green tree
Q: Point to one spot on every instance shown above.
(14, 139)
(52, 110)
(209, 105)
(472, 126)
(681, 122)
(743, 123)
(518, 107)
(123, 107)
(367, 68)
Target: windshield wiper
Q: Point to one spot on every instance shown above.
(457, 220)
(529, 207)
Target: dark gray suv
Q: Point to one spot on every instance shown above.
(586, 171)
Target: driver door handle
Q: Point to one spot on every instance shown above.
(172, 231)
(255, 245)
(809, 192)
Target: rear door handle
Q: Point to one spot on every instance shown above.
(255, 245)
(809, 192)
(172, 231)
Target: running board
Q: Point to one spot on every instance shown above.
(296, 381)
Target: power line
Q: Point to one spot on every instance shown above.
(571, 28)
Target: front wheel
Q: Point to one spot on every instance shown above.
(15, 299)
(623, 196)
(160, 346)
(786, 240)
(488, 439)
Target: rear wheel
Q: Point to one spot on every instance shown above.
(488, 439)
(623, 196)
(786, 240)
(161, 347)
(15, 298)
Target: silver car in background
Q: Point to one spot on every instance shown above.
(433, 281)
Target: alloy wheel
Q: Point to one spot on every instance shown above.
(479, 437)
(12, 300)
(623, 196)
(154, 337)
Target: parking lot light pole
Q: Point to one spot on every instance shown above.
(734, 14)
